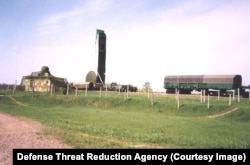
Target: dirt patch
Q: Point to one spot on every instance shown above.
(17, 132)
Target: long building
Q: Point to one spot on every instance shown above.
(187, 83)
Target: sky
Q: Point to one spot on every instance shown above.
(146, 39)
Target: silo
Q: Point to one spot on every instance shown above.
(101, 43)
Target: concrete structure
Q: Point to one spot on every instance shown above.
(42, 82)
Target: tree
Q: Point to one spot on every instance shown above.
(146, 86)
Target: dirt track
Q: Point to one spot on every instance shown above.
(222, 114)
(17, 132)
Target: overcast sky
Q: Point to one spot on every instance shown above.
(146, 39)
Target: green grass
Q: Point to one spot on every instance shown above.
(114, 122)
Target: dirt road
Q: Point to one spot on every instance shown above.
(17, 132)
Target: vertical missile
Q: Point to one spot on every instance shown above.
(101, 43)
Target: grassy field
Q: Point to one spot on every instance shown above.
(115, 121)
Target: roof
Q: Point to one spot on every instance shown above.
(35, 74)
(184, 78)
(227, 79)
(38, 75)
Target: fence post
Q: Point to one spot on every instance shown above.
(218, 95)
(106, 90)
(86, 89)
(229, 99)
(238, 95)
(67, 89)
(208, 101)
(152, 100)
(100, 92)
(178, 98)
(76, 91)
(201, 95)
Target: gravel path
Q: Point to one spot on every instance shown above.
(17, 132)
